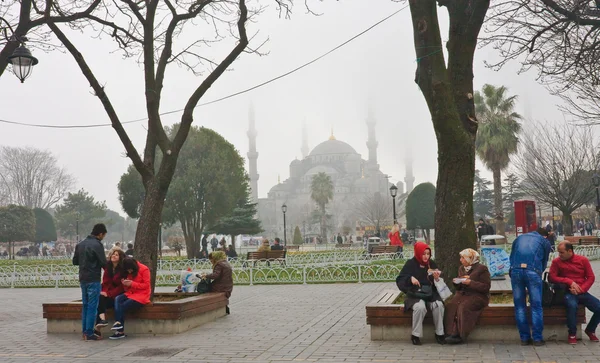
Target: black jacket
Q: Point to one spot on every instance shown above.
(276, 248)
(412, 268)
(89, 256)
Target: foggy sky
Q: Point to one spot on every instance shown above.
(377, 70)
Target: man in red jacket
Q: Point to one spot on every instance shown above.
(576, 272)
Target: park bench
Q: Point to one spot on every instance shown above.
(389, 321)
(342, 245)
(171, 313)
(292, 248)
(378, 250)
(266, 256)
(583, 240)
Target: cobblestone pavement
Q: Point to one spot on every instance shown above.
(286, 323)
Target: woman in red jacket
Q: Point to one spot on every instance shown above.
(137, 293)
(394, 237)
(111, 286)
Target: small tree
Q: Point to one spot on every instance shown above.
(176, 243)
(420, 209)
(79, 208)
(375, 209)
(482, 197)
(17, 224)
(45, 230)
(297, 236)
(241, 221)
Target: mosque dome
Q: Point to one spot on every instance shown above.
(332, 146)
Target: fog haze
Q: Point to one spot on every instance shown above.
(375, 71)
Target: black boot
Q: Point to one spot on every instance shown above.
(415, 340)
(440, 339)
(454, 339)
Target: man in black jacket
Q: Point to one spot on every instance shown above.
(89, 256)
(277, 246)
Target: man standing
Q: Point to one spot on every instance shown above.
(89, 256)
(482, 229)
(214, 242)
(129, 251)
(277, 246)
(576, 273)
(528, 260)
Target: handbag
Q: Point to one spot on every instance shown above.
(203, 286)
(552, 294)
(442, 289)
(425, 293)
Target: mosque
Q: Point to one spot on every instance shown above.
(354, 178)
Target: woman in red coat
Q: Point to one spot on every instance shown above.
(394, 237)
(111, 286)
(137, 293)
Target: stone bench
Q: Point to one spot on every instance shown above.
(389, 321)
(186, 311)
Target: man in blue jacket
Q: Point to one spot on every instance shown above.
(528, 260)
(89, 256)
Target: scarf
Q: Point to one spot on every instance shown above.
(471, 256)
(419, 249)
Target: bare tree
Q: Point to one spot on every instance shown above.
(374, 209)
(447, 86)
(558, 38)
(556, 165)
(152, 32)
(32, 177)
(23, 21)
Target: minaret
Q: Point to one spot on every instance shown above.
(304, 149)
(372, 141)
(373, 173)
(252, 155)
(409, 179)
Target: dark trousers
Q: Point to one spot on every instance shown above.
(122, 305)
(104, 303)
(590, 302)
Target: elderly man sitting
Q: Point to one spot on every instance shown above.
(576, 273)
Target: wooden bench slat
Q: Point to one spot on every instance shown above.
(384, 249)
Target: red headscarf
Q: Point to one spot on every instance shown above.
(419, 249)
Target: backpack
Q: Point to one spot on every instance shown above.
(552, 294)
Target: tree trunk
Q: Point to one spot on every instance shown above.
(146, 236)
(448, 91)
(567, 222)
(498, 205)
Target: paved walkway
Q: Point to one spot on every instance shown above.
(286, 323)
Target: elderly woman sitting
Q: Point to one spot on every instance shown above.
(472, 296)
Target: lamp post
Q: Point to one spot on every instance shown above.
(284, 210)
(22, 61)
(77, 227)
(393, 193)
(596, 181)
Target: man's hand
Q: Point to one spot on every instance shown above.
(126, 282)
(415, 281)
(103, 294)
(575, 289)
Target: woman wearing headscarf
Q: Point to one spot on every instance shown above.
(222, 275)
(416, 280)
(472, 296)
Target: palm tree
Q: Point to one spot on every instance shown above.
(321, 191)
(497, 137)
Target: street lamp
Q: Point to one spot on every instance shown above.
(22, 62)
(596, 181)
(393, 193)
(77, 227)
(284, 210)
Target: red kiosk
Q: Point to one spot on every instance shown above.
(525, 218)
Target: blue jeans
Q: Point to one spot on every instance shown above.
(122, 305)
(521, 279)
(590, 302)
(90, 293)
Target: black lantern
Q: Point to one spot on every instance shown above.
(284, 209)
(22, 62)
(596, 181)
(393, 193)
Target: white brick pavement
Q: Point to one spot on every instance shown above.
(286, 323)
